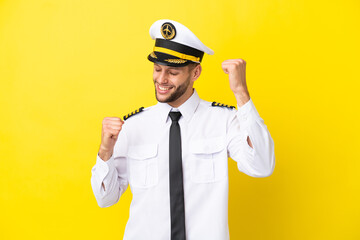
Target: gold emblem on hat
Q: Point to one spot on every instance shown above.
(178, 61)
(152, 54)
(168, 31)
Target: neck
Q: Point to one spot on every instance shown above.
(178, 102)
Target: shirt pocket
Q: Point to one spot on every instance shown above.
(143, 165)
(208, 161)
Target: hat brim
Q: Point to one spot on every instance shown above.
(167, 60)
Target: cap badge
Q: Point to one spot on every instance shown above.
(168, 30)
(175, 60)
(153, 55)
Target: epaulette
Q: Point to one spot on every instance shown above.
(133, 113)
(216, 104)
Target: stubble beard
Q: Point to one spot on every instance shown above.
(179, 91)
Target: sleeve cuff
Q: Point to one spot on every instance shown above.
(103, 167)
(247, 114)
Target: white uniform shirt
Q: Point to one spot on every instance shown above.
(209, 135)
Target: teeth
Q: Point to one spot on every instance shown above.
(163, 88)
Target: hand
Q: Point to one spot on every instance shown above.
(111, 127)
(235, 68)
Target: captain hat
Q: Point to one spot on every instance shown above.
(175, 44)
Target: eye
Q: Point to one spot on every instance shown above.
(172, 73)
(157, 70)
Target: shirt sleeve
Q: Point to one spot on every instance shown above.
(109, 178)
(256, 161)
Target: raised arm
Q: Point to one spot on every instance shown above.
(249, 141)
(109, 174)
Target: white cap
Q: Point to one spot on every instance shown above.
(183, 35)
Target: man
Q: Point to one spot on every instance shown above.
(174, 155)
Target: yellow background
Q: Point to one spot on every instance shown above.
(67, 64)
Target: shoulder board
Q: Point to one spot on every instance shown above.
(216, 104)
(133, 113)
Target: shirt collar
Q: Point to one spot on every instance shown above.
(187, 109)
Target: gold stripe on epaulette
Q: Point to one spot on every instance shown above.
(216, 104)
(133, 113)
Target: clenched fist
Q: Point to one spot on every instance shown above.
(235, 68)
(111, 127)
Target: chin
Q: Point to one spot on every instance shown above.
(162, 98)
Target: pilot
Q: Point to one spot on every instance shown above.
(174, 155)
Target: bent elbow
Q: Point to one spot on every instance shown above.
(102, 205)
(105, 204)
(263, 168)
(267, 162)
(268, 171)
(107, 201)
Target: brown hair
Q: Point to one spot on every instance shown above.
(192, 65)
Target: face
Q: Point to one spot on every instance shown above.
(172, 83)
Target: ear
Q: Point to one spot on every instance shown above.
(196, 72)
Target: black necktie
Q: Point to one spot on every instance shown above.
(176, 180)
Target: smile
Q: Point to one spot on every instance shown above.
(164, 88)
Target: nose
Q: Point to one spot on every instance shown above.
(162, 77)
